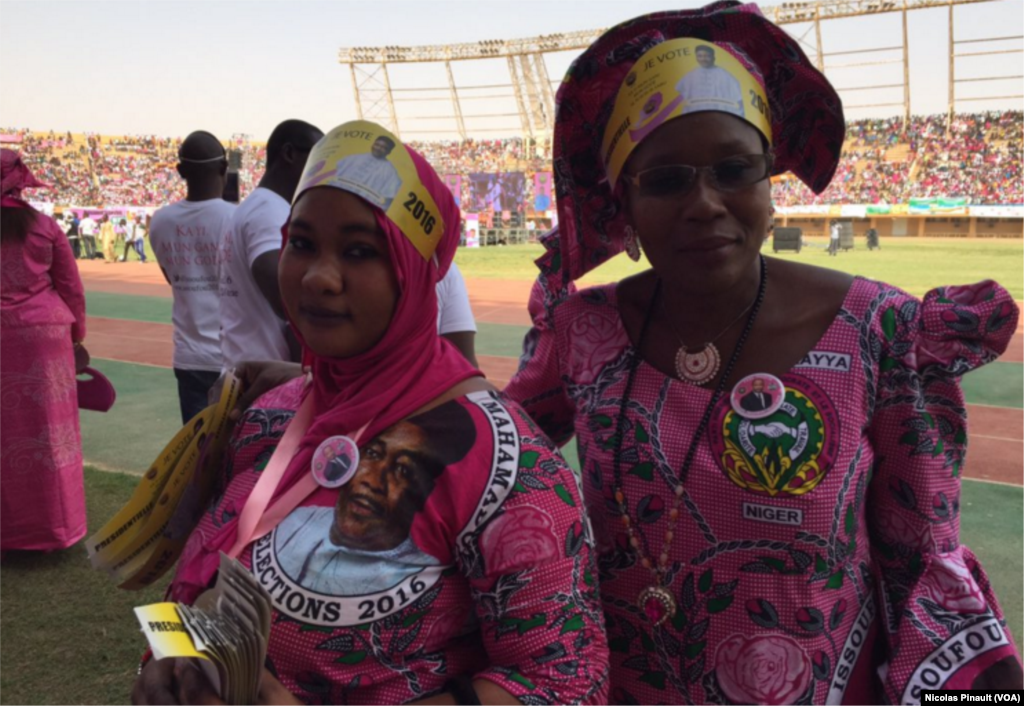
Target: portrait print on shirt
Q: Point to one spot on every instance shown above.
(363, 546)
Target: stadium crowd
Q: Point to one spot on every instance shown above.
(979, 159)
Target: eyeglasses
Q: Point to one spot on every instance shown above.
(674, 180)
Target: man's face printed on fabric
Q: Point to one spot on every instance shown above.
(396, 473)
(706, 58)
(381, 148)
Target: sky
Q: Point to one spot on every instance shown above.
(167, 68)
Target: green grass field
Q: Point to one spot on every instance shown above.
(914, 265)
(69, 635)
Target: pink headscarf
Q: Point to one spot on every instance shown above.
(410, 366)
(15, 176)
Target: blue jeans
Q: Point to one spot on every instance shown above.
(140, 249)
(193, 387)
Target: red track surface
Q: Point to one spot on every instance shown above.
(996, 440)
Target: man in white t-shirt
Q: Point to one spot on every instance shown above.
(710, 87)
(454, 315)
(252, 318)
(88, 228)
(833, 239)
(186, 237)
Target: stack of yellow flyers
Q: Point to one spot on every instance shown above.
(226, 631)
(145, 537)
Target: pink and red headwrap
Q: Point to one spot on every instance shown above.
(15, 176)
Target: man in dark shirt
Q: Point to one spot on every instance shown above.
(757, 400)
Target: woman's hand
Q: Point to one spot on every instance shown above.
(173, 681)
(274, 692)
(181, 681)
(259, 377)
(82, 358)
(193, 686)
(155, 683)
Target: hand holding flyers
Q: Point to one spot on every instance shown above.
(225, 634)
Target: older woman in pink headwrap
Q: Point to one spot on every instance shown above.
(771, 451)
(42, 326)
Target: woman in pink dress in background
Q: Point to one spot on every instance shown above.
(42, 326)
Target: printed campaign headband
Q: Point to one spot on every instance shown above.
(668, 81)
(367, 160)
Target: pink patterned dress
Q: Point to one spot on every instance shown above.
(42, 309)
(816, 556)
(493, 576)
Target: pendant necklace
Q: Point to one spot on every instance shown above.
(656, 601)
(702, 366)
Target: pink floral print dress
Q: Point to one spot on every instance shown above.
(816, 556)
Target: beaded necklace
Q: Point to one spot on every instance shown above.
(656, 601)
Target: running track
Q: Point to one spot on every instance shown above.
(996, 432)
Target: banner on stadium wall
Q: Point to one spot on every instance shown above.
(542, 182)
(42, 207)
(807, 210)
(996, 211)
(95, 211)
(454, 184)
(472, 230)
(878, 209)
(853, 211)
(944, 206)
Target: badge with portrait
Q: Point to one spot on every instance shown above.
(365, 159)
(675, 78)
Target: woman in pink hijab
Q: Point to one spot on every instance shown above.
(418, 538)
(42, 326)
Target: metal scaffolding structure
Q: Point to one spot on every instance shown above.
(985, 42)
(527, 82)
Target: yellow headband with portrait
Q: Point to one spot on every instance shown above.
(674, 78)
(365, 159)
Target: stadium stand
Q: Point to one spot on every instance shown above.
(978, 159)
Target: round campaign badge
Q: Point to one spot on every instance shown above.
(757, 396)
(335, 461)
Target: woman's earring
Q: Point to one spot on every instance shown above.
(632, 244)
(771, 221)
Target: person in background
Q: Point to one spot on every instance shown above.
(89, 228)
(833, 239)
(455, 319)
(140, 230)
(42, 329)
(107, 237)
(186, 237)
(128, 229)
(119, 236)
(70, 225)
(252, 319)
